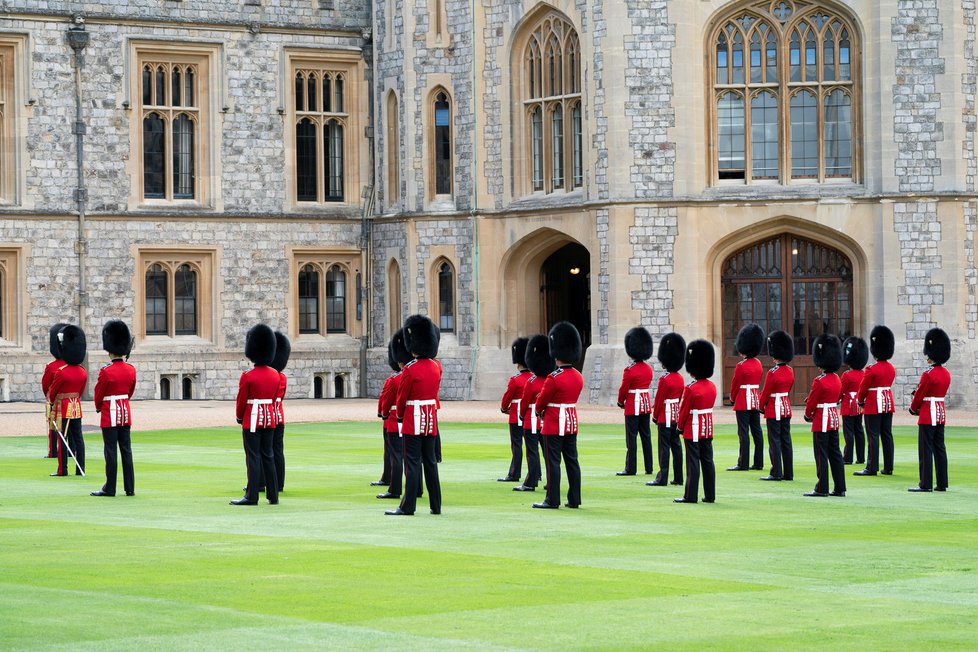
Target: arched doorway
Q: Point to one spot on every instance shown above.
(565, 289)
(790, 283)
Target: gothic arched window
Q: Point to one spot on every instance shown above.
(319, 145)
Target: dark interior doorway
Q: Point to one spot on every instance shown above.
(565, 290)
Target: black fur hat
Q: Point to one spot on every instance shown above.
(937, 346)
(260, 345)
(780, 346)
(399, 350)
(55, 346)
(638, 343)
(750, 340)
(518, 350)
(672, 352)
(390, 357)
(827, 353)
(565, 342)
(700, 359)
(283, 349)
(71, 341)
(881, 343)
(855, 352)
(538, 359)
(116, 338)
(421, 336)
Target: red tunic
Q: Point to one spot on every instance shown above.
(877, 401)
(850, 389)
(65, 391)
(113, 389)
(47, 377)
(257, 391)
(668, 391)
(822, 404)
(696, 410)
(633, 395)
(933, 385)
(417, 397)
(531, 416)
(283, 383)
(776, 394)
(514, 394)
(558, 401)
(386, 407)
(746, 385)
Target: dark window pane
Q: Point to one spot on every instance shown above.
(185, 301)
(838, 135)
(147, 86)
(160, 87)
(156, 301)
(300, 93)
(305, 160)
(313, 93)
(335, 300)
(804, 136)
(730, 119)
(154, 153)
(183, 157)
(443, 146)
(333, 149)
(339, 95)
(308, 300)
(446, 300)
(764, 136)
(536, 120)
(189, 96)
(175, 86)
(557, 144)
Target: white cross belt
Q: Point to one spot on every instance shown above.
(778, 410)
(417, 412)
(638, 397)
(254, 403)
(697, 415)
(880, 397)
(114, 407)
(825, 407)
(669, 402)
(751, 395)
(533, 418)
(562, 415)
(934, 400)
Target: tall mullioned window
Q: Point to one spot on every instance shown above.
(442, 112)
(171, 299)
(446, 296)
(551, 101)
(169, 106)
(321, 118)
(785, 86)
(321, 287)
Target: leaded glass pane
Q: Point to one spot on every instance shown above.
(730, 119)
(185, 301)
(308, 300)
(764, 136)
(305, 160)
(154, 153)
(333, 148)
(183, 157)
(557, 138)
(446, 302)
(156, 301)
(804, 136)
(536, 120)
(838, 135)
(335, 300)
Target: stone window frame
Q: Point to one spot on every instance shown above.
(435, 284)
(394, 316)
(350, 261)
(14, 76)
(392, 143)
(438, 35)
(529, 62)
(783, 17)
(13, 296)
(350, 65)
(202, 260)
(431, 149)
(207, 60)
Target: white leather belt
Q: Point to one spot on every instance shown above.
(533, 418)
(417, 412)
(880, 397)
(669, 402)
(752, 397)
(697, 418)
(562, 415)
(114, 407)
(778, 410)
(934, 400)
(519, 415)
(638, 398)
(254, 403)
(825, 407)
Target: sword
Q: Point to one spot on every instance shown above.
(67, 447)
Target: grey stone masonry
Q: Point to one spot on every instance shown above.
(649, 105)
(917, 34)
(456, 233)
(604, 283)
(386, 236)
(653, 238)
(390, 71)
(599, 121)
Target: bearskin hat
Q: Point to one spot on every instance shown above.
(421, 336)
(780, 346)
(750, 340)
(638, 344)
(565, 342)
(827, 353)
(71, 340)
(390, 357)
(881, 343)
(538, 359)
(399, 350)
(283, 349)
(260, 345)
(672, 352)
(937, 346)
(116, 338)
(700, 359)
(855, 352)
(518, 350)
(55, 346)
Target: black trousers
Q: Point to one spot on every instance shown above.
(53, 441)
(828, 456)
(533, 472)
(516, 448)
(260, 460)
(699, 455)
(278, 453)
(852, 430)
(420, 451)
(879, 431)
(669, 441)
(385, 476)
(72, 430)
(931, 452)
(111, 439)
(563, 446)
(395, 445)
(779, 447)
(638, 425)
(749, 426)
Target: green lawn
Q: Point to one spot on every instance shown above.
(176, 567)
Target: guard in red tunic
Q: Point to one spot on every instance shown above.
(541, 365)
(876, 399)
(255, 411)
(665, 408)
(65, 394)
(855, 354)
(283, 349)
(558, 404)
(776, 404)
(417, 412)
(49, 370)
(822, 411)
(633, 396)
(510, 405)
(696, 422)
(929, 405)
(745, 396)
(115, 386)
(397, 357)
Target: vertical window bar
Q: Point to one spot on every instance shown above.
(536, 119)
(557, 137)
(578, 147)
